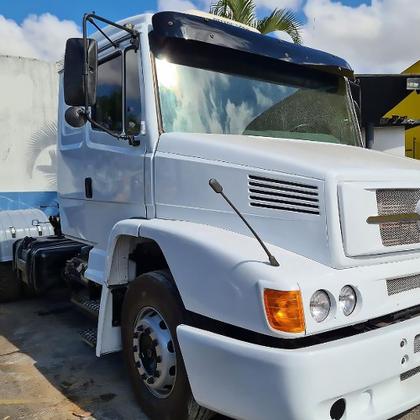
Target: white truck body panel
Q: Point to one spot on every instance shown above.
(253, 382)
(215, 268)
(191, 160)
(122, 175)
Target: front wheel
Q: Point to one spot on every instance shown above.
(151, 312)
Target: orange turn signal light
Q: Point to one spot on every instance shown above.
(284, 310)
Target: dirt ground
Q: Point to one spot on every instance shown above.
(47, 372)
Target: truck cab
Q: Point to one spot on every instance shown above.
(153, 108)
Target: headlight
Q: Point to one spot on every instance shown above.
(320, 305)
(347, 300)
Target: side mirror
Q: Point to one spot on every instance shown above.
(74, 62)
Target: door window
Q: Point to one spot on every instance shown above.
(108, 111)
(118, 104)
(132, 93)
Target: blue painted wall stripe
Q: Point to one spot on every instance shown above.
(45, 200)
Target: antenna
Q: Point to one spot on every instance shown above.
(218, 189)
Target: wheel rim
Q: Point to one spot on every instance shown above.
(154, 352)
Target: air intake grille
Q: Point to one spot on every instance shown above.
(403, 284)
(283, 195)
(406, 375)
(417, 343)
(398, 202)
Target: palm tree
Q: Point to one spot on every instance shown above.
(243, 11)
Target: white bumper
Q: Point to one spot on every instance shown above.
(248, 381)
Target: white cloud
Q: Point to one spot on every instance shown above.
(42, 36)
(278, 4)
(262, 5)
(381, 37)
(176, 5)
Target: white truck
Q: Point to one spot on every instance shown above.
(174, 130)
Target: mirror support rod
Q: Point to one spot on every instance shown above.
(218, 189)
(91, 17)
(103, 33)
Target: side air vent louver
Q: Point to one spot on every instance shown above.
(407, 375)
(283, 195)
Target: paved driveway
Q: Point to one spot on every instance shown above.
(47, 372)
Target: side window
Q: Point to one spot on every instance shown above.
(132, 93)
(113, 110)
(108, 108)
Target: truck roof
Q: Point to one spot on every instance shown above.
(202, 29)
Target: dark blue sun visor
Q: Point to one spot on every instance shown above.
(208, 32)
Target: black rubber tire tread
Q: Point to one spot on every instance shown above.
(197, 412)
(10, 286)
(156, 289)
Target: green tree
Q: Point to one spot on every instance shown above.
(244, 11)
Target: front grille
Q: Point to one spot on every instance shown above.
(406, 375)
(417, 343)
(283, 195)
(403, 284)
(392, 202)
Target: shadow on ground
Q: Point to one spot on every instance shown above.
(47, 372)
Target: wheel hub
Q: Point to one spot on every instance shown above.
(154, 352)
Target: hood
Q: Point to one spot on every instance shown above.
(296, 157)
(310, 198)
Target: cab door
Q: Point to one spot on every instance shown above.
(109, 172)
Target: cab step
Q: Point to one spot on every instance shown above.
(88, 306)
(89, 336)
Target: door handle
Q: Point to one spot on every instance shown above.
(88, 188)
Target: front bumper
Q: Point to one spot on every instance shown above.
(252, 382)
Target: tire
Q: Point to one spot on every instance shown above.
(151, 299)
(10, 286)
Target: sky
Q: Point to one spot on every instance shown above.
(374, 36)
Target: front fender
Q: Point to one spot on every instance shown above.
(219, 274)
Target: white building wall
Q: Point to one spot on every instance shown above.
(28, 129)
(390, 140)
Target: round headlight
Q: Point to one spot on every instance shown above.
(347, 300)
(320, 305)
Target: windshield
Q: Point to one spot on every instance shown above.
(197, 100)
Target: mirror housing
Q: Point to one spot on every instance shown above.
(74, 62)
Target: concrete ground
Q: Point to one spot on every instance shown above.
(47, 372)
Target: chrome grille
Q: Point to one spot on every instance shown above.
(398, 202)
(402, 284)
(283, 195)
(417, 343)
